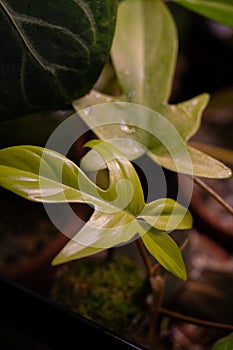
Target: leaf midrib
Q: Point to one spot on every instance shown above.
(47, 68)
(220, 6)
(68, 187)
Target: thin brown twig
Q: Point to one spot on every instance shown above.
(184, 244)
(213, 194)
(155, 268)
(195, 320)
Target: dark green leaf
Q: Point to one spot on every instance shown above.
(51, 51)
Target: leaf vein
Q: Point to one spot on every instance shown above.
(33, 51)
(86, 9)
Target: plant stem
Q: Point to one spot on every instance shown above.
(157, 284)
(144, 256)
(214, 195)
(195, 320)
(157, 287)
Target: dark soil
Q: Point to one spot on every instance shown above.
(25, 230)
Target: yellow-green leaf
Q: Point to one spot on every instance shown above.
(163, 248)
(167, 215)
(217, 10)
(144, 51)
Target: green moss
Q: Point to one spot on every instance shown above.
(103, 291)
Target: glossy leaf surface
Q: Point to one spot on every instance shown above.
(145, 69)
(145, 58)
(136, 130)
(120, 213)
(158, 215)
(217, 10)
(51, 51)
(162, 247)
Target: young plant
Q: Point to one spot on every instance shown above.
(144, 61)
(120, 212)
(137, 121)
